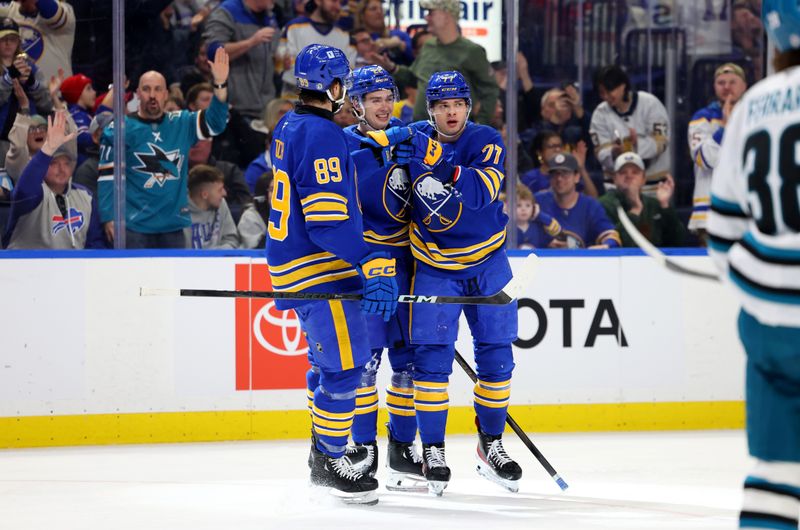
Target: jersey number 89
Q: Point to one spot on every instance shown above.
(758, 161)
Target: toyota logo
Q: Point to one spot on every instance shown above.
(287, 321)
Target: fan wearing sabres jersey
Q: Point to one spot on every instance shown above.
(457, 233)
(316, 245)
(385, 193)
(754, 238)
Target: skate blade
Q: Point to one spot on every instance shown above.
(486, 472)
(367, 498)
(436, 487)
(398, 481)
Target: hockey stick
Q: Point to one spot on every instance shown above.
(518, 430)
(652, 251)
(511, 291)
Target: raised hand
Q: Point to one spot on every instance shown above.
(56, 133)
(665, 190)
(220, 67)
(19, 92)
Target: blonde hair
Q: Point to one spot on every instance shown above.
(524, 193)
(271, 112)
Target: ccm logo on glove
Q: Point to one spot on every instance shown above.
(434, 152)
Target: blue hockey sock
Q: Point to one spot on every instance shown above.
(432, 402)
(333, 410)
(491, 405)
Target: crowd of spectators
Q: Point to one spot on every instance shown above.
(582, 150)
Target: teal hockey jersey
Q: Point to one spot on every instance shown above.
(385, 195)
(459, 227)
(156, 167)
(315, 229)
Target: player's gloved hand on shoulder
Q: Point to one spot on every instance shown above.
(380, 287)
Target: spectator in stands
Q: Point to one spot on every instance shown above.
(23, 87)
(418, 41)
(199, 96)
(546, 145)
(212, 223)
(535, 228)
(655, 218)
(583, 221)
(748, 33)
(48, 211)
(367, 51)
(563, 112)
(247, 30)
(274, 111)
(450, 51)
(407, 88)
(705, 136)
(48, 27)
(252, 225)
(395, 43)
(181, 20)
(156, 207)
(26, 137)
(528, 98)
(196, 73)
(79, 95)
(629, 120)
(86, 174)
(318, 26)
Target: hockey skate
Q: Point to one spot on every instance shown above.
(404, 465)
(342, 480)
(435, 468)
(494, 463)
(364, 457)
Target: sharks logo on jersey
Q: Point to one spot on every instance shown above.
(160, 165)
(73, 222)
(441, 204)
(397, 194)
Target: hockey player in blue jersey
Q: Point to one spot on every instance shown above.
(457, 233)
(157, 161)
(385, 194)
(754, 238)
(316, 245)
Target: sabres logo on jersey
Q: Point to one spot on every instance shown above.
(73, 222)
(160, 165)
(440, 205)
(32, 42)
(397, 194)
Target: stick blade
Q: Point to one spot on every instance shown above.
(523, 278)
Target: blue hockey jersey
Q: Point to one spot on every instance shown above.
(583, 225)
(315, 227)
(156, 167)
(385, 195)
(459, 227)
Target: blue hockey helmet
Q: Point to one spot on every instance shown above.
(317, 66)
(781, 20)
(370, 79)
(447, 85)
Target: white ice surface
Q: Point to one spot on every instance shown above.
(617, 481)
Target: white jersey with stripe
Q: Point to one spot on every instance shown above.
(754, 224)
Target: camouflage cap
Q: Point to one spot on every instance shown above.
(451, 6)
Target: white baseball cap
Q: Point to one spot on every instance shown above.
(628, 158)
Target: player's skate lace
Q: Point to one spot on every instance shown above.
(344, 469)
(415, 456)
(435, 457)
(497, 453)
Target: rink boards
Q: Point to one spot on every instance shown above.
(608, 341)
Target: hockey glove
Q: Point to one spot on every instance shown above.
(380, 287)
(389, 137)
(429, 153)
